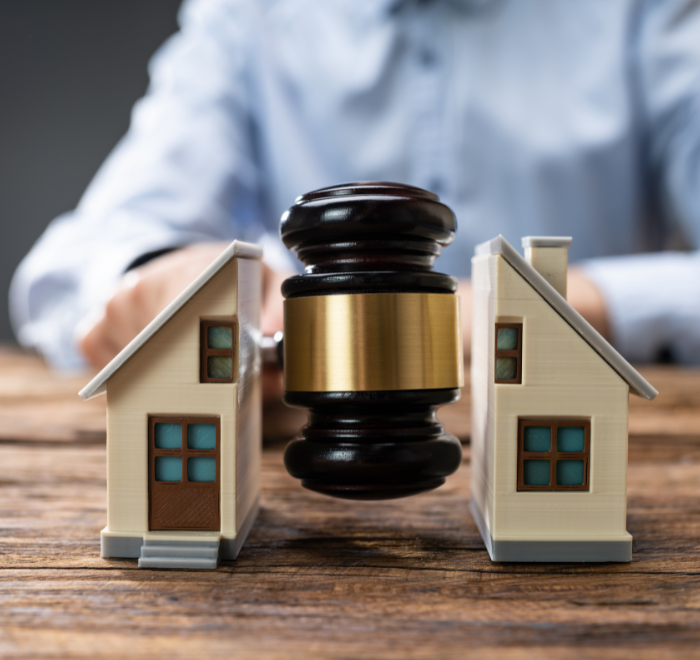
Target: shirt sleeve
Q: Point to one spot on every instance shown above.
(654, 300)
(185, 172)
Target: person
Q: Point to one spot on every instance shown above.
(544, 118)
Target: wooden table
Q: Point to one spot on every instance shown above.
(320, 577)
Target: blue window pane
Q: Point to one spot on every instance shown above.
(201, 469)
(506, 368)
(570, 438)
(168, 468)
(168, 435)
(201, 436)
(219, 337)
(219, 366)
(536, 473)
(569, 473)
(507, 339)
(537, 438)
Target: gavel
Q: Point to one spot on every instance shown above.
(372, 341)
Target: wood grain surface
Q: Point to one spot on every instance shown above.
(330, 578)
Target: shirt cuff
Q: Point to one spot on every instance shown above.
(653, 304)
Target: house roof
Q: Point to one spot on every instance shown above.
(98, 384)
(638, 385)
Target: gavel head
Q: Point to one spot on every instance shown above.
(372, 341)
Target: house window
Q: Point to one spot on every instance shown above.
(191, 442)
(217, 343)
(509, 353)
(553, 454)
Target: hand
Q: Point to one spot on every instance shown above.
(587, 300)
(145, 291)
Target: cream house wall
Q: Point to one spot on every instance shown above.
(249, 419)
(162, 378)
(483, 392)
(562, 377)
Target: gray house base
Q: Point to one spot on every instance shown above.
(178, 554)
(551, 551)
(127, 547)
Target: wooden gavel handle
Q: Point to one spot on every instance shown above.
(272, 351)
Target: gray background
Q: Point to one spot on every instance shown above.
(70, 70)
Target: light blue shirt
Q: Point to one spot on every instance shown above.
(525, 116)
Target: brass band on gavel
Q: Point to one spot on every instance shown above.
(372, 342)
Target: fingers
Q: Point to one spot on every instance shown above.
(163, 279)
(140, 296)
(127, 312)
(93, 343)
(587, 299)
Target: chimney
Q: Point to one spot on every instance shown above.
(549, 256)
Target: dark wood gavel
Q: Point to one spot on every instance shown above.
(372, 341)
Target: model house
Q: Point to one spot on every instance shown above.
(550, 408)
(183, 423)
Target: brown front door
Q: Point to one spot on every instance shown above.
(183, 473)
